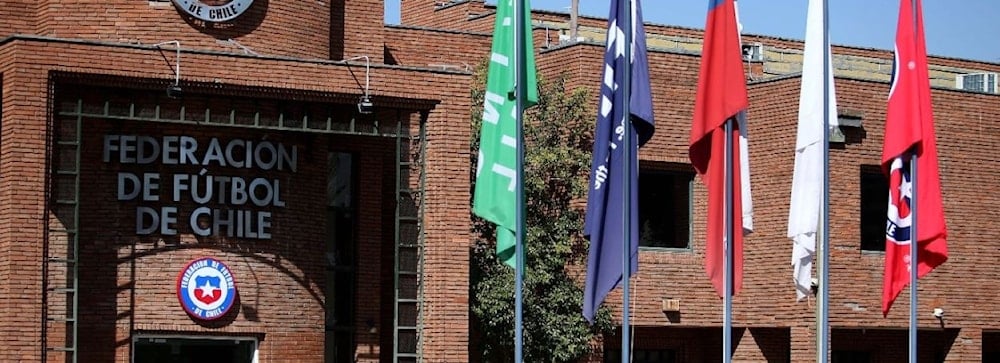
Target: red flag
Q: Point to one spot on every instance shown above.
(722, 95)
(909, 129)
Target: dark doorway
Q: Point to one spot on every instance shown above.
(194, 350)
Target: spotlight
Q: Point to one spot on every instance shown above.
(365, 106)
(175, 91)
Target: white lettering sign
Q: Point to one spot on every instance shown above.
(226, 205)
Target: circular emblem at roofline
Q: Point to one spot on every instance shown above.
(206, 289)
(215, 11)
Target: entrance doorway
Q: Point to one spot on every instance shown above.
(161, 349)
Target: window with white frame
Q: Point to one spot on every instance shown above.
(978, 82)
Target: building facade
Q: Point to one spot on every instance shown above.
(237, 180)
(255, 181)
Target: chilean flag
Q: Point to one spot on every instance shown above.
(721, 96)
(909, 130)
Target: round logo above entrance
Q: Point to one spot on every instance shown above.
(206, 289)
(215, 11)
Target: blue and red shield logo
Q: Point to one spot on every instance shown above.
(206, 289)
(900, 193)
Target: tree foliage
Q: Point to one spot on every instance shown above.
(558, 142)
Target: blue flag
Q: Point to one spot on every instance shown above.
(604, 225)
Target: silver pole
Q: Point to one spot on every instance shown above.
(914, 240)
(626, 10)
(519, 92)
(913, 259)
(824, 283)
(727, 243)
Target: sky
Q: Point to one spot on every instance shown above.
(968, 29)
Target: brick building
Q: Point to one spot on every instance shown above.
(318, 158)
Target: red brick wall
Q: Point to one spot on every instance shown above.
(314, 30)
(22, 192)
(279, 281)
(296, 29)
(22, 201)
(18, 18)
(418, 47)
(357, 29)
(417, 12)
(768, 298)
(443, 14)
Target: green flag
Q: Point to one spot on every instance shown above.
(495, 196)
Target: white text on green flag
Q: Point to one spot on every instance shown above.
(495, 197)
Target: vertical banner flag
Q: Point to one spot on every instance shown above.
(496, 171)
(909, 130)
(807, 180)
(604, 223)
(722, 95)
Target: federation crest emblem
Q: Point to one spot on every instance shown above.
(897, 229)
(215, 11)
(206, 289)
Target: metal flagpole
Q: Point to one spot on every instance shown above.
(727, 243)
(626, 88)
(914, 238)
(728, 235)
(913, 259)
(519, 92)
(824, 294)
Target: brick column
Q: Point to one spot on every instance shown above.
(803, 343)
(22, 208)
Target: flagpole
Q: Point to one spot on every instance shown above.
(519, 92)
(729, 235)
(626, 10)
(914, 238)
(727, 315)
(914, 241)
(824, 300)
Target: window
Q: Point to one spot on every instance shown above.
(979, 82)
(340, 258)
(643, 356)
(991, 346)
(665, 207)
(157, 349)
(850, 356)
(874, 205)
(753, 52)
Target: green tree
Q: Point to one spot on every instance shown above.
(558, 145)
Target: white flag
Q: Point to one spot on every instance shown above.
(807, 180)
(746, 201)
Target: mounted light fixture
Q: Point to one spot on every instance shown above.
(365, 105)
(938, 313)
(174, 90)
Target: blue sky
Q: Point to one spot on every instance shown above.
(954, 28)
